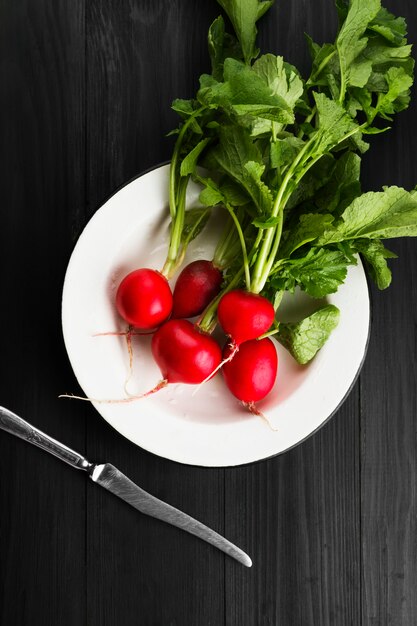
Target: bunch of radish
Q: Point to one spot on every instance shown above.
(186, 352)
(280, 157)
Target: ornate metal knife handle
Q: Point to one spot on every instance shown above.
(15, 425)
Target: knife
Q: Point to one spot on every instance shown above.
(114, 480)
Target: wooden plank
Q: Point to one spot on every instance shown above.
(389, 398)
(139, 568)
(298, 514)
(389, 457)
(42, 524)
(141, 56)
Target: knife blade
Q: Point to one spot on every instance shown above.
(112, 479)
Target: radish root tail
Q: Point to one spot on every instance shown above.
(130, 353)
(251, 406)
(235, 349)
(122, 333)
(129, 333)
(162, 383)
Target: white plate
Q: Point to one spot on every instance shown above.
(210, 428)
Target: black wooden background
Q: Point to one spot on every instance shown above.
(85, 95)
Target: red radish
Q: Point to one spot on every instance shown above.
(183, 353)
(251, 374)
(198, 283)
(144, 298)
(244, 315)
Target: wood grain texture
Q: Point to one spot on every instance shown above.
(42, 521)
(299, 516)
(148, 572)
(85, 93)
(389, 459)
(389, 399)
(301, 510)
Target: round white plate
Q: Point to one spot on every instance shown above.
(209, 428)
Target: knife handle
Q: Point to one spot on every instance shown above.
(15, 425)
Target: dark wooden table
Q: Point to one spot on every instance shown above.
(331, 525)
